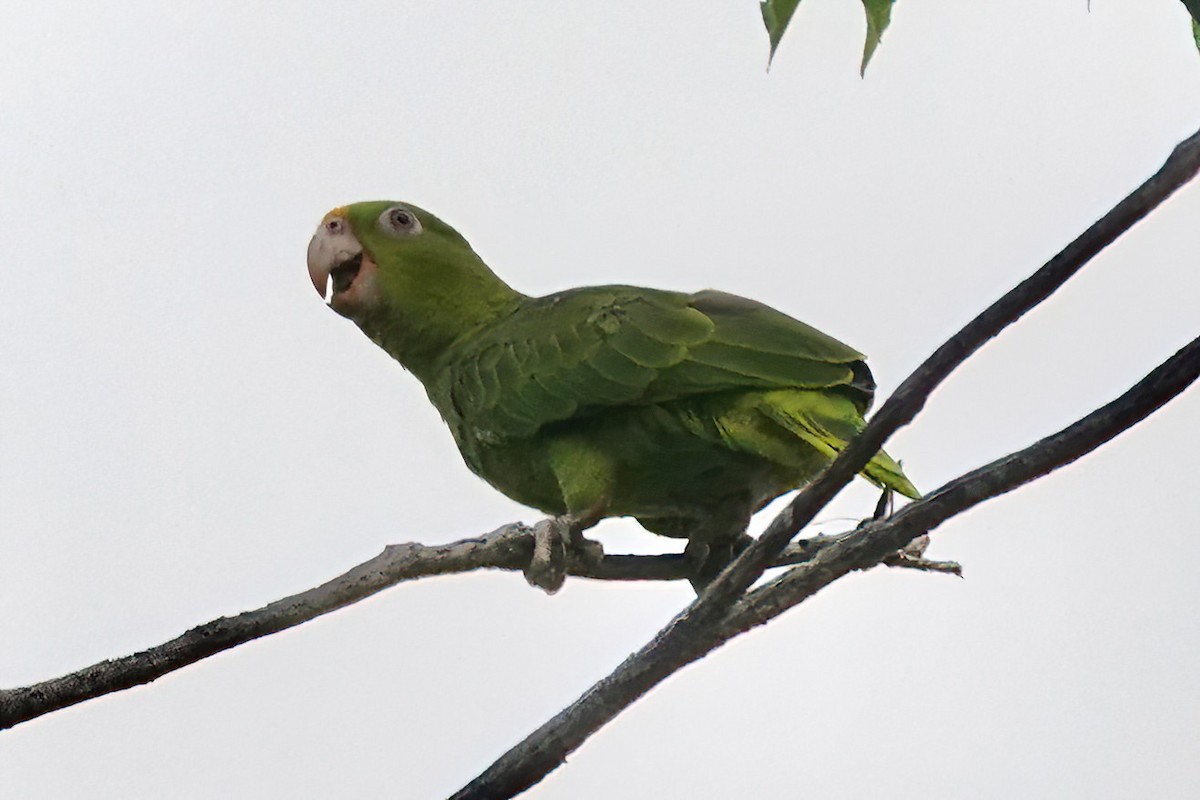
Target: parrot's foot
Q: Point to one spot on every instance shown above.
(707, 559)
(585, 549)
(883, 508)
(555, 542)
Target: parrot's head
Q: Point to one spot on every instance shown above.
(408, 280)
(356, 247)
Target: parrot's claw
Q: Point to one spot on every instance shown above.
(585, 549)
(883, 508)
(696, 554)
(556, 542)
(547, 568)
(708, 559)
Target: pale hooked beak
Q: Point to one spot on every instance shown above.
(334, 253)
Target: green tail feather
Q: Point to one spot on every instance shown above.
(884, 472)
(827, 421)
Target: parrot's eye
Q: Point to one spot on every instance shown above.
(399, 221)
(335, 225)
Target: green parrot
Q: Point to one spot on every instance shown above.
(688, 412)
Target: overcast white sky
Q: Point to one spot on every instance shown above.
(186, 432)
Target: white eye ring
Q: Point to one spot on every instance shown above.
(400, 222)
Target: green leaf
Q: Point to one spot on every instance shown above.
(879, 14)
(776, 15)
(1193, 7)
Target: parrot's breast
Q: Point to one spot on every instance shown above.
(673, 461)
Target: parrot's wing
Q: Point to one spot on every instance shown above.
(581, 351)
(754, 346)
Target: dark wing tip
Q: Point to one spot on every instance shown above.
(861, 386)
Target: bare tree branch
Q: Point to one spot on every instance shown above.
(692, 633)
(506, 548)
(396, 563)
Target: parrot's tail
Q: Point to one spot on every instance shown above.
(827, 422)
(885, 472)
